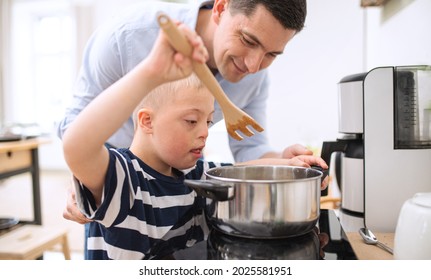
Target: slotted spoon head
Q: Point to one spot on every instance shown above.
(240, 122)
(235, 118)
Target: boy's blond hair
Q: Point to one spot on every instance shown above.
(167, 92)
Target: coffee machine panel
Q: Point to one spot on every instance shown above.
(385, 143)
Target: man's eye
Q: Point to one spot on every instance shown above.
(247, 42)
(210, 123)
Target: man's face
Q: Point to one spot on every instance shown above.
(244, 45)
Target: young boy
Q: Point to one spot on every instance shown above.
(136, 196)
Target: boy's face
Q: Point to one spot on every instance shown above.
(244, 45)
(180, 127)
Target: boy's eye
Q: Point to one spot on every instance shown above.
(210, 123)
(191, 121)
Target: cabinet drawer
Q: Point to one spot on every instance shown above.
(14, 160)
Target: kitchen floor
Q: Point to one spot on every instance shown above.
(16, 201)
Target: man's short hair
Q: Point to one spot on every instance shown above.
(290, 13)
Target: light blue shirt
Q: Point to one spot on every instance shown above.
(117, 47)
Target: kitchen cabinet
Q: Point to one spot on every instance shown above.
(373, 3)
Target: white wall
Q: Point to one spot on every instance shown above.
(399, 34)
(302, 107)
(340, 38)
(303, 98)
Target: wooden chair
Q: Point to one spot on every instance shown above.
(328, 202)
(29, 242)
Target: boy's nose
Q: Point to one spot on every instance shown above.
(203, 131)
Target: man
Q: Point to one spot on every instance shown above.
(243, 37)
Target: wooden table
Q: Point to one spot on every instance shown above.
(19, 157)
(365, 251)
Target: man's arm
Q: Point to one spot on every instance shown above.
(101, 67)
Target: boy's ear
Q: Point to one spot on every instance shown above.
(144, 119)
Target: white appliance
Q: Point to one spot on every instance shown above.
(384, 150)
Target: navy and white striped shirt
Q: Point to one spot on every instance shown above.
(143, 214)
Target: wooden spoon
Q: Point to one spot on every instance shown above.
(235, 118)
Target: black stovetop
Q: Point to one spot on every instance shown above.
(326, 241)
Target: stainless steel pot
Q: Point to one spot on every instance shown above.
(261, 201)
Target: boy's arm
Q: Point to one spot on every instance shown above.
(83, 141)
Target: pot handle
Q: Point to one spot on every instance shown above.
(211, 189)
(325, 172)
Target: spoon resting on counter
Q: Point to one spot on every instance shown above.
(371, 239)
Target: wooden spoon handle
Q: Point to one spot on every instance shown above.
(175, 37)
(180, 43)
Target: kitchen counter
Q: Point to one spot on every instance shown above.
(365, 251)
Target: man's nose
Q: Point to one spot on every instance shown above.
(254, 60)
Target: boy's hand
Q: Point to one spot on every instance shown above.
(167, 64)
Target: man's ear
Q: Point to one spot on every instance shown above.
(145, 120)
(219, 7)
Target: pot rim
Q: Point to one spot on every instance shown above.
(319, 174)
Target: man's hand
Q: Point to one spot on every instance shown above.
(295, 150)
(289, 152)
(308, 161)
(300, 156)
(71, 212)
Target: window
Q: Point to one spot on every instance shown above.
(41, 64)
